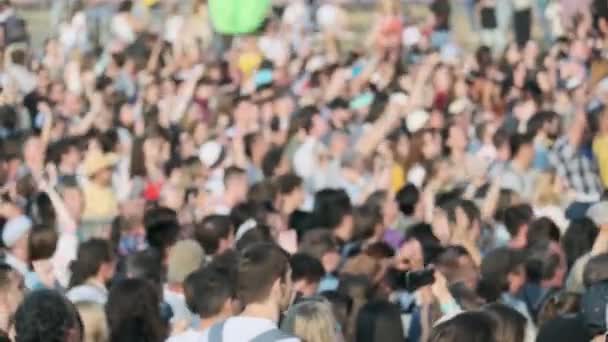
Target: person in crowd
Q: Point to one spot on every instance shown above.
(379, 321)
(186, 257)
(46, 315)
(306, 274)
(312, 320)
(91, 271)
(215, 234)
(133, 312)
(264, 289)
(12, 291)
(468, 326)
(211, 295)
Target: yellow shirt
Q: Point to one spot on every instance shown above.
(99, 202)
(397, 178)
(600, 151)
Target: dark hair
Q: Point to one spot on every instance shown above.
(408, 197)
(42, 243)
(517, 141)
(41, 210)
(543, 229)
(287, 183)
(495, 269)
(211, 230)
(231, 172)
(431, 246)
(510, 324)
(306, 267)
(259, 267)
(244, 211)
(379, 321)
(260, 234)
(596, 270)
(538, 120)
(578, 239)
(146, 264)
(470, 326)
(207, 290)
(317, 242)
(133, 312)
(307, 115)
(271, 161)
(45, 315)
(341, 306)
(249, 140)
(365, 220)
(91, 255)
(517, 216)
(162, 227)
(331, 206)
(541, 262)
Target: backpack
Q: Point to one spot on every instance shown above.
(216, 333)
(15, 30)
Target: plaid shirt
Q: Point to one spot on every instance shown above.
(579, 170)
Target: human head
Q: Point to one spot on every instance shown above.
(264, 276)
(215, 233)
(386, 205)
(274, 163)
(456, 139)
(502, 270)
(516, 219)
(72, 197)
(42, 243)
(543, 229)
(162, 228)
(290, 191)
(235, 183)
(368, 223)
(321, 244)
(379, 321)
(95, 259)
(133, 312)
(313, 124)
(333, 210)
(473, 326)
(306, 273)
(522, 149)
(94, 322)
(409, 202)
(255, 146)
(578, 239)
(146, 264)
(546, 264)
(185, 258)
(210, 293)
(15, 236)
(510, 324)
(312, 320)
(46, 315)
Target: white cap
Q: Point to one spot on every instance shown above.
(598, 213)
(15, 229)
(416, 120)
(210, 153)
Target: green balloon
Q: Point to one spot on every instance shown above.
(238, 16)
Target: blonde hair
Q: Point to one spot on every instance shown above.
(94, 321)
(312, 320)
(545, 192)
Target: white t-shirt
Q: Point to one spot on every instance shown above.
(189, 335)
(242, 329)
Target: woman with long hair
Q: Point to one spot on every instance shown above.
(312, 321)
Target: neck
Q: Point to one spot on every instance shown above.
(176, 287)
(97, 281)
(288, 208)
(266, 310)
(206, 323)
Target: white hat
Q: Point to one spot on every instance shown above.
(14, 229)
(210, 153)
(598, 213)
(416, 120)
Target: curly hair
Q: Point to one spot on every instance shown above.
(46, 315)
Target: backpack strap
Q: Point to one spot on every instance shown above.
(272, 335)
(216, 332)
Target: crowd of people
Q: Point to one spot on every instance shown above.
(162, 179)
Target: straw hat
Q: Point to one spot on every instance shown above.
(98, 161)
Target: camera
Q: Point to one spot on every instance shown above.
(410, 281)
